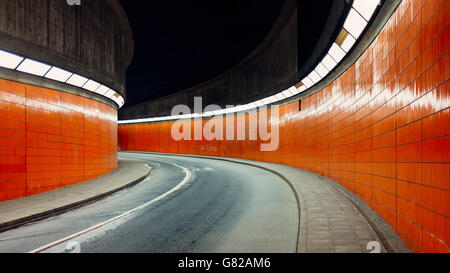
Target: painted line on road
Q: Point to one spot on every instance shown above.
(102, 224)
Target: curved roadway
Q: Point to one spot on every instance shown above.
(185, 205)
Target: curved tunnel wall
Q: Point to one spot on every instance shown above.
(382, 129)
(51, 139)
(55, 133)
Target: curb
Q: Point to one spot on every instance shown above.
(392, 242)
(59, 210)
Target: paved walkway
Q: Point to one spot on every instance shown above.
(329, 222)
(21, 210)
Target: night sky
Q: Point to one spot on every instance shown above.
(181, 43)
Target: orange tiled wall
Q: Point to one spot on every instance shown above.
(382, 129)
(51, 139)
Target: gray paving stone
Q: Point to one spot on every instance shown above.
(16, 211)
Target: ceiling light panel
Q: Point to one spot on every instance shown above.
(321, 70)
(354, 24)
(314, 77)
(33, 67)
(77, 80)
(366, 7)
(91, 85)
(302, 88)
(329, 62)
(336, 52)
(58, 74)
(348, 43)
(102, 90)
(9, 60)
(307, 82)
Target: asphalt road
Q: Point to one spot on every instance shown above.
(185, 205)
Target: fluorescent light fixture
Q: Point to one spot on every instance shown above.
(314, 77)
(121, 101)
(348, 43)
(336, 52)
(307, 82)
(91, 85)
(34, 67)
(321, 70)
(12, 61)
(110, 93)
(366, 7)
(294, 90)
(247, 106)
(266, 101)
(240, 108)
(77, 80)
(273, 99)
(9, 60)
(102, 90)
(287, 93)
(280, 96)
(259, 103)
(354, 23)
(302, 88)
(252, 105)
(329, 62)
(58, 74)
(228, 110)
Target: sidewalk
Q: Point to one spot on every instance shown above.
(20, 211)
(332, 219)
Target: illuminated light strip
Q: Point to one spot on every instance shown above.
(33, 67)
(355, 23)
(58, 74)
(9, 60)
(12, 61)
(91, 85)
(360, 13)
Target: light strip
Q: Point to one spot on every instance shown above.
(329, 62)
(314, 76)
(355, 24)
(336, 52)
(321, 70)
(77, 80)
(102, 90)
(58, 74)
(12, 61)
(366, 7)
(33, 67)
(91, 85)
(307, 82)
(9, 60)
(348, 43)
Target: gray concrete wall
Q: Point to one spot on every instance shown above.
(268, 69)
(93, 39)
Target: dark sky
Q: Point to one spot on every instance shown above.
(181, 43)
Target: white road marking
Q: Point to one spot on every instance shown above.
(102, 224)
